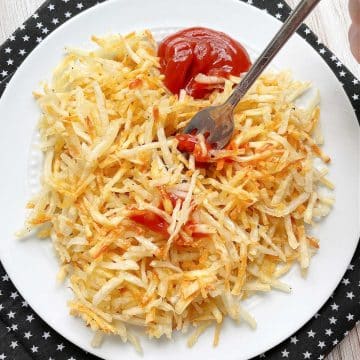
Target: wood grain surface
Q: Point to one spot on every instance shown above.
(330, 21)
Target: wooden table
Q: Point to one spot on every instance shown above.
(330, 21)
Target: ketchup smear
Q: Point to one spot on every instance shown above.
(198, 50)
(159, 225)
(151, 220)
(190, 144)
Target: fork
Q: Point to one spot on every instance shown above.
(216, 123)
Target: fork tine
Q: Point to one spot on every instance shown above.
(220, 136)
(190, 128)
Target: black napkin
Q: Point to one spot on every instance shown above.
(23, 335)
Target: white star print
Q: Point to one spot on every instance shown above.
(22, 52)
(285, 353)
(14, 327)
(316, 315)
(65, 1)
(39, 39)
(55, 21)
(338, 64)
(1, 293)
(6, 277)
(51, 7)
(10, 62)
(30, 318)
(307, 31)
(278, 16)
(34, 349)
(328, 332)
(294, 340)
(27, 335)
(26, 38)
(80, 5)
(321, 357)
(22, 27)
(318, 41)
(355, 97)
(46, 335)
(332, 320)
(45, 30)
(335, 342)
(72, 358)
(321, 344)
(67, 14)
(346, 333)
(39, 25)
(350, 295)
(24, 304)
(11, 315)
(4, 73)
(250, 2)
(345, 281)
(342, 73)
(1, 306)
(311, 333)
(14, 344)
(333, 58)
(262, 356)
(334, 307)
(355, 82)
(60, 347)
(307, 355)
(12, 38)
(322, 51)
(350, 317)
(280, 5)
(14, 295)
(35, 16)
(2, 356)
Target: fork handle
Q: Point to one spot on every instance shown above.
(289, 27)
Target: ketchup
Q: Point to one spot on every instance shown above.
(187, 142)
(150, 220)
(190, 144)
(159, 225)
(198, 50)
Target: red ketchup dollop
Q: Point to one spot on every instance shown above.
(198, 50)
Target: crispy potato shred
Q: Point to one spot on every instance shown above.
(147, 235)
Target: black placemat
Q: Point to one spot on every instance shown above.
(23, 335)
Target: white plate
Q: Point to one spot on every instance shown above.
(31, 263)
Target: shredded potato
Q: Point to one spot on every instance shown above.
(146, 236)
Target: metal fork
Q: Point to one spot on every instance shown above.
(217, 122)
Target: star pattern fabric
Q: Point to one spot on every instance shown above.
(24, 336)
